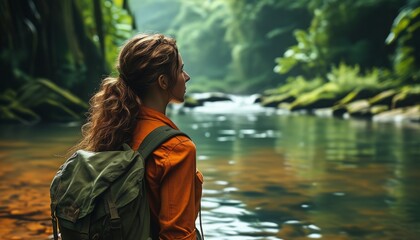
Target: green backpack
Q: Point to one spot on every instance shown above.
(101, 195)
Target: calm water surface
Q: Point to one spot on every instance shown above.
(267, 176)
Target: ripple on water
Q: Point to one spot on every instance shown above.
(210, 192)
(202, 157)
(295, 228)
(230, 210)
(226, 139)
(230, 189)
(229, 227)
(225, 218)
(221, 182)
(314, 235)
(227, 132)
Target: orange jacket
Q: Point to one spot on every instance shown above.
(174, 184)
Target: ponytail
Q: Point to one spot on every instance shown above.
(112, 117)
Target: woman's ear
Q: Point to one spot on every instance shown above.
(163, 82)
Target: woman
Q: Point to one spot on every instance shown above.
(128, 107)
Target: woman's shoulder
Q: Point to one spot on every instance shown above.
(180, 142)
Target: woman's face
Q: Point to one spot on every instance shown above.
(179, 89)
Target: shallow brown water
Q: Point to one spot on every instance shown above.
(29, 159)
(267, 176)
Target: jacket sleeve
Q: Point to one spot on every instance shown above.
(178, 211)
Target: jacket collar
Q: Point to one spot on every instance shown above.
(147, 113)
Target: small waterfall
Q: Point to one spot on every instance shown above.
(233, 104)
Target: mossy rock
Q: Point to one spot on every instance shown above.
(358, 94)
(325, 101)
(258, 99)
(374, 110)
(383, 98)
(323, 97)
(406, 114)
(284, 105)
(275, 100)
(359, 108)
(409, 96)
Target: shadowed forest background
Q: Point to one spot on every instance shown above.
(303, 53)
(264, 76)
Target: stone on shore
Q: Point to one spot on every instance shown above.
(407, 114)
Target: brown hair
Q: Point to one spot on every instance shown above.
(113, 112)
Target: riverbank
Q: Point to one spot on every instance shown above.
(400, 105)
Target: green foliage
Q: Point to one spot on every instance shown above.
(118, 28)
(71, 43)
(229, 42)
(405, 24)
(408, 96)
(40, 99)
(60, 93)
(325, 96)
(296, 85)
(344, 83)
(405, 33)
(257, 31)
(12, 110)
(201, 42)
(199, 28)
(106, 25)
(349, 78)
(340, 31)
(310, 54)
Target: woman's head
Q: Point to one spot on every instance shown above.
(143, 62)
(146, 57)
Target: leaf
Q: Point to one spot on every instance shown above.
(402, 22)
(62, 92)
(31, 94)
(19, 113)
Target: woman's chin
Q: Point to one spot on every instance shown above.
(177, 101)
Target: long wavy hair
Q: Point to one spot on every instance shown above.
(114, 109)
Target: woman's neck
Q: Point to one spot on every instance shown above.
(157, 103)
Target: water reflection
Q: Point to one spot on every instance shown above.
(307, 177)
(267, 176)
(29, 157)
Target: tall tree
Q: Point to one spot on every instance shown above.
(54, 46)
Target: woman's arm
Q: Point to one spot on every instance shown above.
(178, 211)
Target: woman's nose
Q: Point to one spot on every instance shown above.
(187, 77)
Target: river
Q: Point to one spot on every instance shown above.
(267, 175)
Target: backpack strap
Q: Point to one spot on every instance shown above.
(149, 144)
(156, 138)
(54, 222)
(115, 221)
